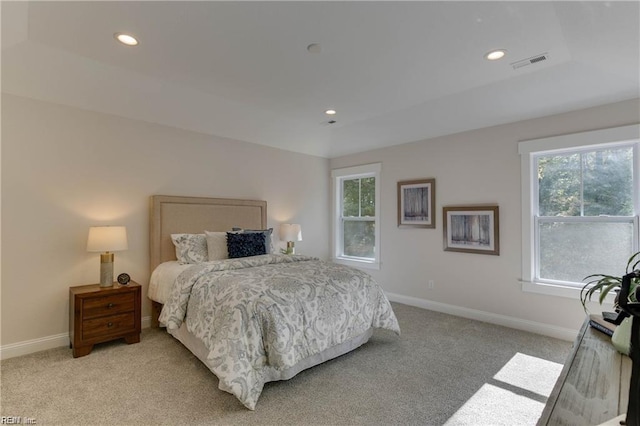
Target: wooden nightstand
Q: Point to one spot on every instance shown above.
(99, 315)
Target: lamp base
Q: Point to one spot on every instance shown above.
(106, 270)
(291, 248)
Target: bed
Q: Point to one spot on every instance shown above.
(252, 320)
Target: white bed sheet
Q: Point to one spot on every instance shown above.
(163, 278)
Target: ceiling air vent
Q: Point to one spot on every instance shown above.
(530, 61)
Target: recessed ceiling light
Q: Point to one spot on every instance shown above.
(127, 39)
(314, 48)
(330, 112)
(494, 55)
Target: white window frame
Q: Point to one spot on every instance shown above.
(528, 150)
(338, 176)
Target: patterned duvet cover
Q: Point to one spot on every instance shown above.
(260, 315)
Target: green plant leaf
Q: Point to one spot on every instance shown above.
(631, 259)
(607, 289)
(604, 283)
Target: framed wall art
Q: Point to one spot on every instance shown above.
(472, 229)
(416, 203)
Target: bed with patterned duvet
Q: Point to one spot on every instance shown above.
(264, 318)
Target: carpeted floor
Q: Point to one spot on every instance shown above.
(442, 370)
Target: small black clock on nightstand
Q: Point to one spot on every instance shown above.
(123, 279)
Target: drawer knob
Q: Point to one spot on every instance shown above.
(110, 305)
(110, 324)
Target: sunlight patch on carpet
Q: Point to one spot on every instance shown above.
(516, 394)
(530, 373)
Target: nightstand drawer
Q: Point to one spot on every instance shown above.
(105, 326)
(108, 305)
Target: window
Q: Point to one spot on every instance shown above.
(357, 209)
(580, 207)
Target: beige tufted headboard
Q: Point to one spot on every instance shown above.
(194, 215)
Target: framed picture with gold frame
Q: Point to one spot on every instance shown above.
(416, 203)
(472, 229)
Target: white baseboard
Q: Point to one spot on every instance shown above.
(146, 322)
(58, 340)
(511, 322)
(36, 345)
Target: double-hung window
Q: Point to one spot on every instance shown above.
(356, 215)
(581, 199)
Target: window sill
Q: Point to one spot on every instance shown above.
(560, 291)
(357, 263)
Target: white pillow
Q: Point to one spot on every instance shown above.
(190, 248)
(217, 245)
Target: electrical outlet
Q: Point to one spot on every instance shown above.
(430, 284)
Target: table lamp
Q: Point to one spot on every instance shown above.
(290, 232)
(107, 239)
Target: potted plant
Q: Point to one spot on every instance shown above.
(604, 284)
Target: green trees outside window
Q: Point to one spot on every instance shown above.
(358, 217)
(585, 212)
(586, 183)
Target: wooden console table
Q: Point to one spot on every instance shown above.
(594, 384)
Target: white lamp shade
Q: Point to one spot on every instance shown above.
(290, 232)
(107, 238)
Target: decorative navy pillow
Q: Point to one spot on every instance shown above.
(268, 242)
(245, 244)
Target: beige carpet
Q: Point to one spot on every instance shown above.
(442, 370)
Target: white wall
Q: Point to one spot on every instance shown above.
(481, 166)
(65, 169)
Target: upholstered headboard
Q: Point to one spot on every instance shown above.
(194, 215)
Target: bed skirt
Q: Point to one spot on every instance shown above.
(200, 351)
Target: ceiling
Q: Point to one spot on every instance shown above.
(396, 72)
